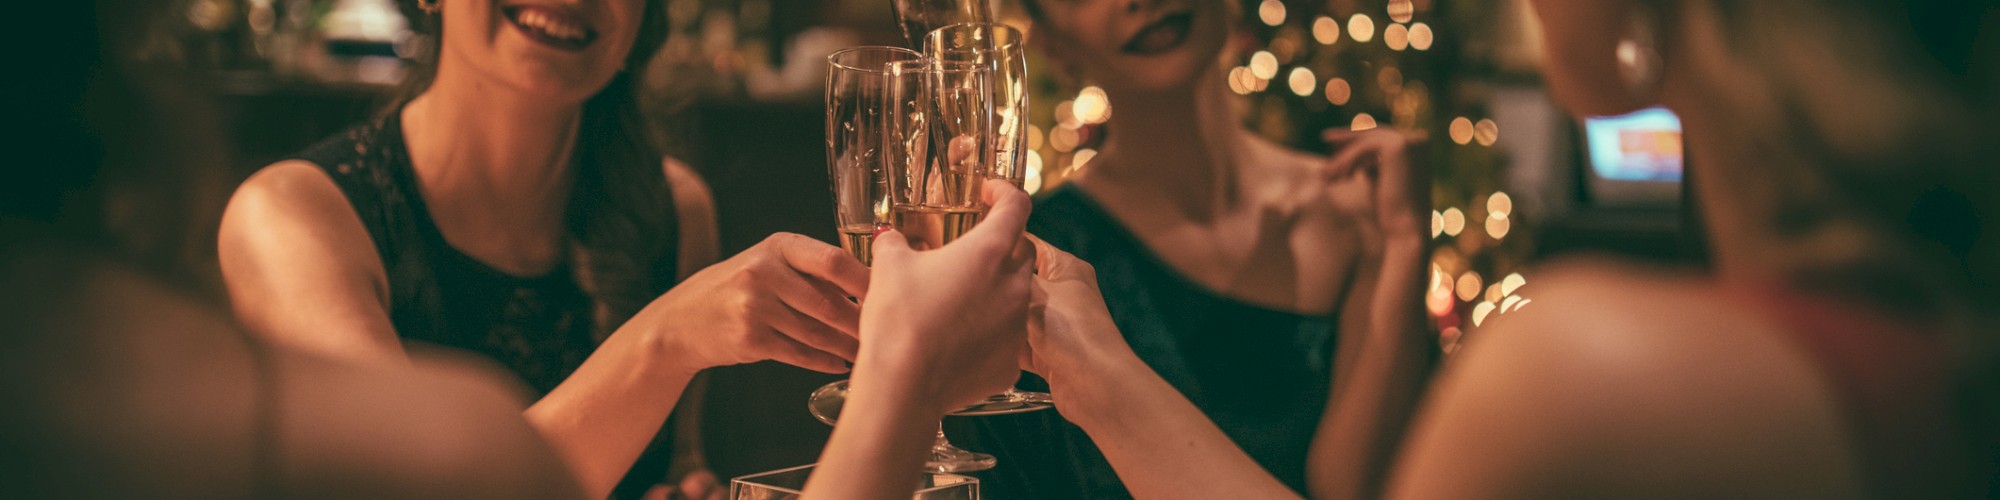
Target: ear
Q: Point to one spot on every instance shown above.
(1579, 57)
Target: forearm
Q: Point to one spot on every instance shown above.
(878, 449)
(1390, 360)
(1158, 442)
(601, 418)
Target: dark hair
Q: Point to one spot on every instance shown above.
(621, 214)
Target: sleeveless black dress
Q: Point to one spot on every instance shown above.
(541, 327)
(1262, 375)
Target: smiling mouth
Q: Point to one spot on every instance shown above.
(551, 27)
(1161, 36)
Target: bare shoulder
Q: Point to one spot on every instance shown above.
(301, 267)
(694, 207)
(1621, 380)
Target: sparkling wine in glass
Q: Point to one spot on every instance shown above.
(856, 90)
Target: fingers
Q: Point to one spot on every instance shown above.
(891, 247)
(785, 350)
(700, 485)
(1053, 264)
(813, 332)
(818, 302)
(823, 261)
(1009, 212)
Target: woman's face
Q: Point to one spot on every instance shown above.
(565, 50)
(1135, 44)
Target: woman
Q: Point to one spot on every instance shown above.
(511, 206)
(1234, 267)
(1842, 350)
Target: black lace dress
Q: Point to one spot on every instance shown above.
(540, 327)
(1262, 375)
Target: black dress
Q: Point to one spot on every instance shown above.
(1262, 375)
(541, 327)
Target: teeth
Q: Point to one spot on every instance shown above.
(550, 25)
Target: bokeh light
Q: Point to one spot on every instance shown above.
(1363, 121)
(1361, 28)
(1272, 12)
(1338, 91)
(1303, 81)
(1326, 31)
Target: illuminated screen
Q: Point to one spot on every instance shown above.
(1642, 146)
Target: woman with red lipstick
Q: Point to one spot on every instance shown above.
(512, 206)
(1246, 274)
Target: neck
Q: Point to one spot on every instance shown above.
(1183, 143)
(489, 162)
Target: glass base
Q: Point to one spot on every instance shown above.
(825, 403)
(788, 484)
(946, 459)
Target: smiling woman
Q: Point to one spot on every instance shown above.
(511, 205)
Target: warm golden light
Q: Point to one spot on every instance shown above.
(1032, 183)
(1461, 130)
(1486, 132)
(1480, 312)
(1500, 205)
(1437, 223)
(1396, 36)
(1092, 106)
(1469, 286)
(1511, 283)
(1401, 10)
(1498, 227)
(1421, 36)
(1082, 158)
(1361, 28)
(1338, 91)
(1272, 12)
(1264, 65)
(1454, 221)
(1326, 31)
(1066, 114)
(1363, 121)
(1065, 138)
(1241, 81)
(1493, 293)
(1034, 138)
(1303, 81)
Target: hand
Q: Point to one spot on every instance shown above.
(1069, 327)
(946, 326)
(1377, 162)
(786, 299)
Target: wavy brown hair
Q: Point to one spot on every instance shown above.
(621, 219)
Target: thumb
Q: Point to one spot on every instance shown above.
(890, 246)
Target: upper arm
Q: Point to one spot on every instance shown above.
(435, 428)
(300, 267)
(694, 207)
(1611, 389)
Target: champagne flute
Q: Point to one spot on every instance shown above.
(918, 17)
(1002, 51)
(936, 115)
(857, 82)
(856, 88)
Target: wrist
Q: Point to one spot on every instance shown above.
(664, 354)
(1091, 393)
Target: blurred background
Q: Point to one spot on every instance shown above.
(736, 93)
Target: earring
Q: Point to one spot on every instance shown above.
(1639, 63)
(430, 6)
